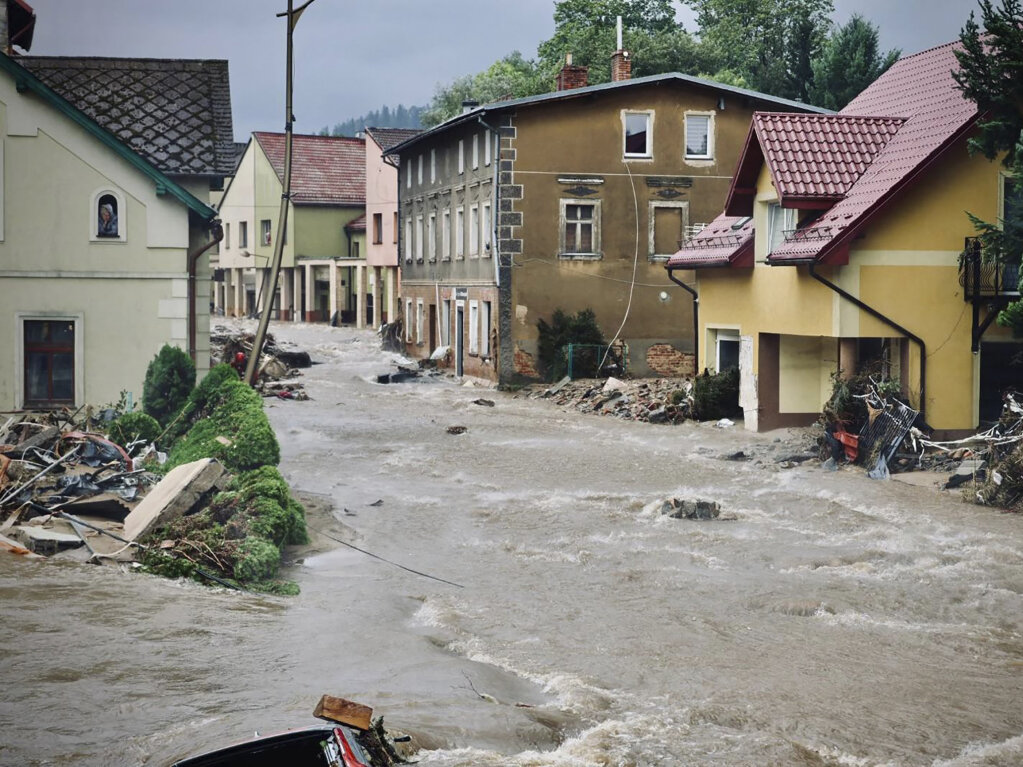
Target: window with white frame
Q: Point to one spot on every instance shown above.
(227, 236)
(445, 235)
(445, 319)
(433, 165)
(474, 327)
(485, 329)
(419, 170)
(461, 156)
(485, 228)
(779, 222)
(49, 361)
(264, 231)
(474, 229)
(459, 232)
(107, 216)
(667, 224)
(409, 319)
(419, 238)
(486, 149)
(726, 350)
(638, 136)
(419, 321)
(407, 245)
(580, 228)
(431, 237)
(475, 150)
(408, 176)
(243, 234)
(699, 136)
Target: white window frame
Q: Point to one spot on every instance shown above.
(431, 236)
(227, 229)
(460, 232)
(445, 328)
(474, 230)
(475, 151)
(433, 166)
(710, 136)
(419, 170)
(409, 319)
(419, 321)
(649, 115)
(408, 240)
(266, 229)
(485, 229)
(486, 149)
(122, 214)
(461, 156)
(474, 327)
(408, 175)
(727, 335)
(563, 250)
(652, 225)
(78, 318)
(485, 310)
(243, 234)
(779, 221)
(419, 238)
(445, 234)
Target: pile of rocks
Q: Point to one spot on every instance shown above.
(653, 400)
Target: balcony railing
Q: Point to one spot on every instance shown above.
(985, 279)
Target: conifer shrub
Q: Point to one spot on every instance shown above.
(170, 378)
(565, 329)
(716, 396)
(129, 427)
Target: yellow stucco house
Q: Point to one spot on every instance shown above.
(841, 242)
(323, 268)
(100, 250)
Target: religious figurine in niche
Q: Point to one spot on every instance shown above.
(107, 218)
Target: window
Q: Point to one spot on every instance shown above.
(1011, 196)
(431, 237)
(395, 227)
(445, 234)
(106, 216)
(475, 150)
(243, 234)
(227, 236)
(378, 228)
(433, 165)
(459, 233)
(474, 328)
(408, 240)
(355, 249)
(699, 136)
(409, 319)
(580, 228)
(419, 171)
(474, 230)
(667, 226)
(485, 329)
(408, 177)
(264, 231)
(485, 229)
(445, 327)
(637, 134)
(419, 238)
(49, 362)
(419, 320)
(461, 156)
(486, 149)
(727, 350)
(779, 221)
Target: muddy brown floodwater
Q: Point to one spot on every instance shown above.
(832, 620)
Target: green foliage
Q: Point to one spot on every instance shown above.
(849, 61)
(258, 560)
(564, 329)
(716, 396)
(225, 420)
(847, 406)
(132, 426)
(990, 66)
(169, 379)
(510, 77)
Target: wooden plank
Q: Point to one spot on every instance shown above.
(344, 712)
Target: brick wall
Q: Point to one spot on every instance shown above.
(666, 360)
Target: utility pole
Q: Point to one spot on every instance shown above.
(270, 293)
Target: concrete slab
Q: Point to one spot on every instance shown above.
(182, 490)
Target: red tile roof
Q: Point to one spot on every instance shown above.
(325, 170)
(921, 89)
(820, 157)
(357, 224)
(725, 241)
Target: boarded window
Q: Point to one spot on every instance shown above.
(669, 229)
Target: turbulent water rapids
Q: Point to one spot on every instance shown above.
(830, 620)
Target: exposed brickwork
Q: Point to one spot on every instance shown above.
(572, 76)
(524, 364)
(621, 66)
(666, 360)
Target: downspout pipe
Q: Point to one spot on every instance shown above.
(217, 230)
(696, 317)
(887, 321)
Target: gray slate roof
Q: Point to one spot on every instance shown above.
(176, 113)
(391, 137)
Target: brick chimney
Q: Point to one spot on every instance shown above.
(621, 60)
(572, 76)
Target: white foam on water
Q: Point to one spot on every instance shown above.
(1006, 753)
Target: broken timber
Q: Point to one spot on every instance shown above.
(344, 711)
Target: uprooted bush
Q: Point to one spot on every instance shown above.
(239, 537)
(847, 406)
(170, 376)
(716, 396)
(133, 426)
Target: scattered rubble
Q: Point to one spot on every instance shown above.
(652, 400)
(278, 365)
(677, 508)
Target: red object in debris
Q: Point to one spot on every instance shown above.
(850, 443)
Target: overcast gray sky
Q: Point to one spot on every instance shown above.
(353, 56)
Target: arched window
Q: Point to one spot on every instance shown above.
(106, 216)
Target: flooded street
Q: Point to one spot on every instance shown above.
(830, 620)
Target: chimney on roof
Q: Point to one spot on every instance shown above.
(572, 76)
(621, 61)
(468, 105)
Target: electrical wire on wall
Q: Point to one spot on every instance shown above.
(635, 266)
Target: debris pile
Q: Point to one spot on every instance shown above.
(278, 364)
(652, 400)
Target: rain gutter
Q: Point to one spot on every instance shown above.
(887, 321)
(696, 316)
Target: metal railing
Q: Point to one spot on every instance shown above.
(985, 279)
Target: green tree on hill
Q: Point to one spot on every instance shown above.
(849, 61)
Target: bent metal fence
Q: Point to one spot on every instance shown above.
(593, 360)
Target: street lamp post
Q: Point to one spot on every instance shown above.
(293, 15)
